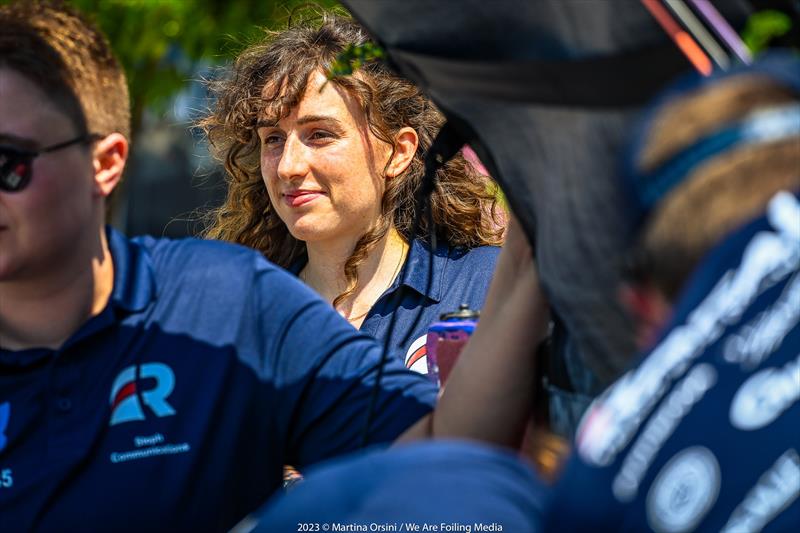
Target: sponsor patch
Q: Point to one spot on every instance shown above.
(659, 427)
(776, 489)
(417, 355)
(684, 491)
(755, 341)
(125, 399)
(148, 446)
(765, 395)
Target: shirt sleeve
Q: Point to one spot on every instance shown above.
(323, 372)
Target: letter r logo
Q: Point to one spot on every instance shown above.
(125, 405)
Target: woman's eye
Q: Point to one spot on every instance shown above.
(272, 140)
(321, 134)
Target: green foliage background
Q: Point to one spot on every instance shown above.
(142, 33)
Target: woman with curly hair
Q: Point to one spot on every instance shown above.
(322, 176)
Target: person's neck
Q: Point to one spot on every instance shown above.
(324, 272)
(44, 311)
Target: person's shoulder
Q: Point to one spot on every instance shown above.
(192, 248)
(480, 257)
(193, 257)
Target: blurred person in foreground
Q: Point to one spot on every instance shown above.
(323, 177)
(150, 384)
(703, 433)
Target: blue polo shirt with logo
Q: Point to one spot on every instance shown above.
(460, 276)
(178, 405)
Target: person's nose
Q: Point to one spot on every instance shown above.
(294, 159)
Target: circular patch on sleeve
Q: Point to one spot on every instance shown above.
(684, 491)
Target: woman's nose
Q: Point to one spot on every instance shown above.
(294, 159)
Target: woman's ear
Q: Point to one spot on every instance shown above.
(405, 146)
(110, 154)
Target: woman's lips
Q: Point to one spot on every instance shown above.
(298, 198)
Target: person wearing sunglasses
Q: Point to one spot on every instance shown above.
(151, 384)
(16, 164)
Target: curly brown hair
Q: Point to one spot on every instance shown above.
(268, 79)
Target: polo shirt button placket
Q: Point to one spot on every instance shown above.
(63, 385)
(64, 404)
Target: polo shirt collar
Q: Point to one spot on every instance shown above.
(134, 289)
(417, 265)
(134, 280)
(417, 262)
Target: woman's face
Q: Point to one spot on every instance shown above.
(322, 166)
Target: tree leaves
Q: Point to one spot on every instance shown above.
(354, 57)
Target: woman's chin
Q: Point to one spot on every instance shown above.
(307, 234)
(322, 229)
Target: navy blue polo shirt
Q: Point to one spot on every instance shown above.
(178, 405)
(704, 434)
(460, 276)
(440, 485)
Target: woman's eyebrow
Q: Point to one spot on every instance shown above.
(265, 123)
(317, 118)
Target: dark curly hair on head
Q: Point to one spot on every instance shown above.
(268, 79)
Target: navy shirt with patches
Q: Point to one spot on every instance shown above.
(460, 276)
(177, 406)
(704, 434)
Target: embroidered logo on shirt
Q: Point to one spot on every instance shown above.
(684, 491)
(149, 446)
(416, 356)
(5, 415)
(126, 401)
(776, 489)
(765, 396)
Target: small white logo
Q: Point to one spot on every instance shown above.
(764, 396)
(684, 491)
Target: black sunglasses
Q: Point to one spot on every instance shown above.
(16, 164)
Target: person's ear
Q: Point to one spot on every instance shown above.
(110, 154)
(650, 309)
(405, 146)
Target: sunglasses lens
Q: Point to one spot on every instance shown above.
(14, 171)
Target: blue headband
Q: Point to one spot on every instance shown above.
(761, 127)
(647, 189)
